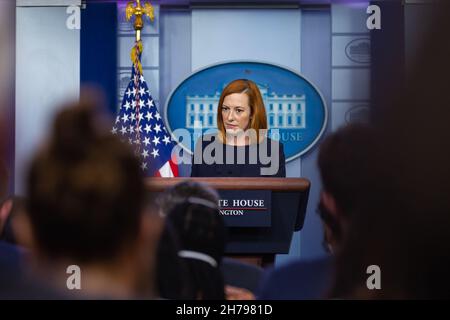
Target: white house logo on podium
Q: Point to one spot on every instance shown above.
(293, 105)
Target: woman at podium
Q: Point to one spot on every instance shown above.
(241, 147)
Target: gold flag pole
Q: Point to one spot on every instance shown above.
(138, 11)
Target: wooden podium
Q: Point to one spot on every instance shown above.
(288, 199)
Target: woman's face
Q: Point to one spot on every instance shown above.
(236, 112)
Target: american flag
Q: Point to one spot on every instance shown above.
(139, 123)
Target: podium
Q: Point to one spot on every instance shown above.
(266, 230)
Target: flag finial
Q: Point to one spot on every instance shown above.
(138, 11)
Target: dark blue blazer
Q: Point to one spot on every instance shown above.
(235, 169)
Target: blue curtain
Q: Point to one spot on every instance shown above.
(99, 49)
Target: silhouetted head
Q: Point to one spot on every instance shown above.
(347, 164)
(193, 216)
(201, 231)
(85, 189)
(405, 228)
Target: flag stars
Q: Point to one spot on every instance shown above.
(155, 153)
(143, 128)
(128, 93)
(156, 141)
(166, 140)
(149, 116)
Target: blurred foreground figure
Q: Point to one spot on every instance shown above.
(192, 217)
(348, 175)
(193, 221)
(399, 248)
(86, 210)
